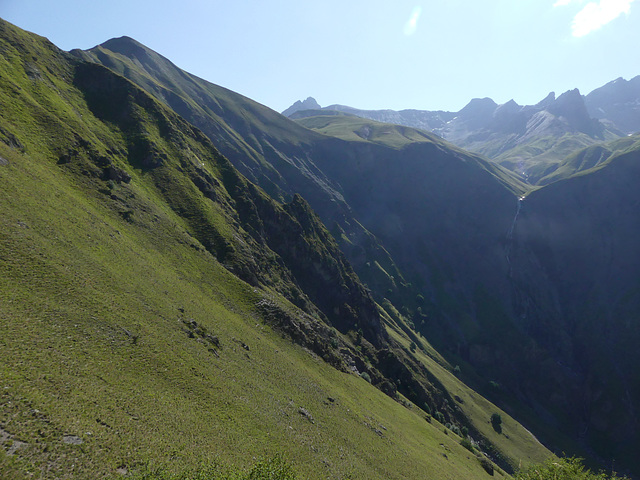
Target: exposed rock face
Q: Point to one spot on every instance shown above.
(617, 103)
(308, 104)
(526, 139)
(570, 107)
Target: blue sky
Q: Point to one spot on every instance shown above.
(368, 54)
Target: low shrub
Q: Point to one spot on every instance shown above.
(563, 469)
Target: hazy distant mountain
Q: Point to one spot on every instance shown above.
(128, 226)
(153, 301)
(530, 140)
(309, 104)
(617, 103)
(445, 222)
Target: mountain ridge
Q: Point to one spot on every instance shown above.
(528, 140)
(467, 246)
(427, 246)
(148, 318)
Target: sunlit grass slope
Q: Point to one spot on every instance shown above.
(95, 349)
(358, 130)
(350, 127)
(126, 338)
(584, 161)
(513, 443)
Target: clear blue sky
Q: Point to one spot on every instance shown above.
(368, 54)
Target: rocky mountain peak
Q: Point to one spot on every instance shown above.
(617, 102)
(478, 112)
(507, 108)
(546, 101)
(308, 104)
(571, 107)
(479, 106)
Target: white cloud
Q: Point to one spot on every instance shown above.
(595, 15)
(412, 24)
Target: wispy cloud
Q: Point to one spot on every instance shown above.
(595, 14)
(412, 24)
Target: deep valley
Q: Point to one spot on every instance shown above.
(188, 277)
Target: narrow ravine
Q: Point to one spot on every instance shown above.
(510, 232)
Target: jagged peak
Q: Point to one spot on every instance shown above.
(478, 110)
(507, 110)
(509, 106)
(309, 103)
(571, 99)
(570, 94)
(546, 101)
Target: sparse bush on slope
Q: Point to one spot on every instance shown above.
(563, 469)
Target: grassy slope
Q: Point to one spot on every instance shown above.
(356, 129)
(585, 160)
(271, 150)
(95, 292)
(544, 143)
(537, 155)
(73, 287)
(516, 443)
(249, 134)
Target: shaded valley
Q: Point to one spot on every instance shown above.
(185, 271)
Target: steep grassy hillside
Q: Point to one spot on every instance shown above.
(267, 148)
(537, 157)
(157, 308)
(529, 140)
(429, 228)
(350, 127)
(575, 266)
(249, 134)
(520, 297)
(583, 160)
(357, 130)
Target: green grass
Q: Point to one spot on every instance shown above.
(94, 347)
(547, 159)
(564, 469)
(272, 469)
(100, 279)
(587, 160)
(516, 444)
(357, 129)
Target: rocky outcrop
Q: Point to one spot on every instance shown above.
(526, 139)
(617, 104)
(308, 104)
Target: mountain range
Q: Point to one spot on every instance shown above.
(531, 140)
(184, 269)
